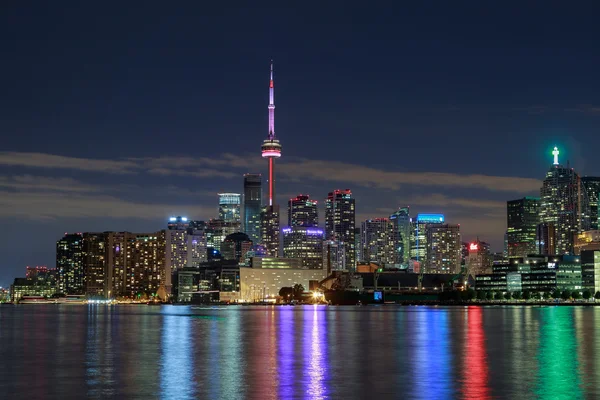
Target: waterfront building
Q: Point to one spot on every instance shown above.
(276, 263)
(29, 287)
(302, 211)
(69, 262)
(522, 217)
(340, 222)
(236, 246)
(263, 284)
(590, 270)
(185, 284)
(443, 249)
(42, 275)
(252, 206)
(402, 229)
(95, 266)
(564, 205)
(229, 207)
(304, 243)
(418, 240)
(591, 185)
(378, 241)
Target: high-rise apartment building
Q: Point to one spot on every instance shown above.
(94, 261)
(378, 241)
(229, 207)
(217, 230)
(334, 255)
(252, 206)
(305, 243)
(340, 222)
(69, 262)
(402, 230)
(480, 258)
(302, 211)
(444, 248)
(145, 264)
(269, 225)
(591, 185)
(522, 217)
(418, 239)
(563, 204)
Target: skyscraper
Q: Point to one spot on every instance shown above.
(418, 240)
(305, 243)
(377, 241)
(522, 218)
(271, 150)
(94, 260)
(302, 211)
(401, 224)
(69, 262)
(229, 207)
(480, 258)
(252, 206)
(340, 221)
(443, 249)
(592, 190)
(563, 205)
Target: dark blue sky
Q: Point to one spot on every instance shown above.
(115, 115)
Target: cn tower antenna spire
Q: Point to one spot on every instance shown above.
(271, 106)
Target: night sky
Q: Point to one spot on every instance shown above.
(116, 115)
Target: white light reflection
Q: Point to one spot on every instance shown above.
(176, 374)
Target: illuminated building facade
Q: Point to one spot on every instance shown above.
(178, 223)
(236, 246)
(591, 185)
(334, 256)
(196, 247)
(270, 230)
(590, 270)
(402, 229)
(217, 230)
(564, 205)
(304, 243)
(229, 207)
(94, 261)
(340, 222)
(271, 150)
(145, 264)
(522, 217)
(302, 211)
(252, 206)
(263, 284)
(588, 240)
(69, 262)
(480, 258)
(443, 249)
(418, 238)
(378, 241)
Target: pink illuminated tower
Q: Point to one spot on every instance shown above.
(271, 149)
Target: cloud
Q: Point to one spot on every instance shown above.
(51, 161)
(48, 205)
(42, 183)
(293, 169)
(394, 180)
(588, 109)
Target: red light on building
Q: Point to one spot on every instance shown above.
(473, 247)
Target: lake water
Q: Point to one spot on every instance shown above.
(308, 352)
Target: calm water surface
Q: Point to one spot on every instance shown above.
(179, 352)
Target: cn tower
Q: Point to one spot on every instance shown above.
(271, 149)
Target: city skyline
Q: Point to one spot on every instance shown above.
(124, 159)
